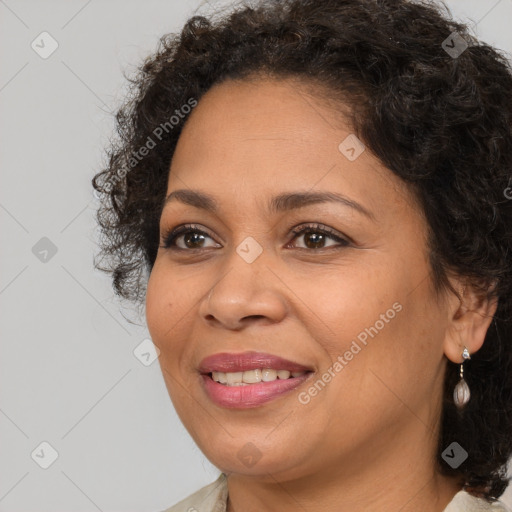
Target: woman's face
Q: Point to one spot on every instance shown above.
(355, 306)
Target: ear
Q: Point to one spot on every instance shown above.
(469, 319)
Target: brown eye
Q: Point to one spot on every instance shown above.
(316, 236)
(189, 237)
(193, 238)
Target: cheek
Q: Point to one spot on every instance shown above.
(348, 301)
(369, 316)
(163, 312)
(162, 307)
(170, 317)
(153, 303)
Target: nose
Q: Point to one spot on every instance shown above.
(244, 294)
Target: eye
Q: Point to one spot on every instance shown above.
(315, 236)
(193, 238)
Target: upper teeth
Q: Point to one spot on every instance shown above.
(252, 376)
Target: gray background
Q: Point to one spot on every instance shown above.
(68, 374)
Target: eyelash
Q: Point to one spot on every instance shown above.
(170, 236)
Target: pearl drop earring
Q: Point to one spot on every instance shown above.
(461, 393)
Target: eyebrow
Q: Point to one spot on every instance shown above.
(279, 203)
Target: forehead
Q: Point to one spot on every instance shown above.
(266, 107)
(250, 137)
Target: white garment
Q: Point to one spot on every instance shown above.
(213, 498)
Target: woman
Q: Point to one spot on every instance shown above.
(317, 191)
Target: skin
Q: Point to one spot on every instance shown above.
(373, 428)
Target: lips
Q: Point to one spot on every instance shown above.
(228, 367)
(230, 362)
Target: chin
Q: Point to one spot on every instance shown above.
(253, 456)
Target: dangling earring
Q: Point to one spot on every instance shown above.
(461, 392)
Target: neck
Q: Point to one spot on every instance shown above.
(401, 494)
(388, 476)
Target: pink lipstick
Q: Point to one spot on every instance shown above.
(249, 379)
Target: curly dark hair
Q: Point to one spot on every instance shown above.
(440, 121)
